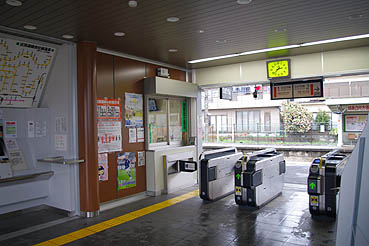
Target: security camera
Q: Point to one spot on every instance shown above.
(255, 94)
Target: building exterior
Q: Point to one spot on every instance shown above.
(246, 115)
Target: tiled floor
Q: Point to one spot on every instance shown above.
(284, 221)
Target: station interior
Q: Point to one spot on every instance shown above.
(166, 122)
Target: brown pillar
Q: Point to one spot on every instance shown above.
(87, 129)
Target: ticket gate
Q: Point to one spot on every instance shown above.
(324, 182)
(259, 177)
(216, 173)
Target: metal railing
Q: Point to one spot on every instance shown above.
(318, 135)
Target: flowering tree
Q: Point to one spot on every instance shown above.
(296, 118)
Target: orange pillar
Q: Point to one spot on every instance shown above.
(87, 129)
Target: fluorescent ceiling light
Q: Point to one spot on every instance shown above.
(213, 58)
(335, 40)
(270, 49)
(283, 47)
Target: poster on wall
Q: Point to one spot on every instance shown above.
(355, 123)
(108, 109)
(109, 137)
(134, 110)
(10, 129)
(103, 167)
(141, 158)
(109, 126)
(126, 164)
(24, 71)
(132, 135)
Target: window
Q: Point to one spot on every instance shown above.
(248, 121)
(165, 121)
(267, 124)
(175, 121)
(157, 122)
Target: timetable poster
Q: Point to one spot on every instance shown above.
(109, 125)
(126, 163)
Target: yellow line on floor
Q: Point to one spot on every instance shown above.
(82, 233)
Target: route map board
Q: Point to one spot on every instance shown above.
(24, 68)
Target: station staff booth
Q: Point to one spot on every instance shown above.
(82, 127)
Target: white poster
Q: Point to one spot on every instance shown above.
(60, 124)
(141, 158)
(109, 136)
(40, 129)
(11, 144)
(132, 135)
(17, 160)
(31, 129)
(61, 142)
(134, 110)
(140, 135)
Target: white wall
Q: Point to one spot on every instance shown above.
(59, 100)
(341, 62)
(350, 196)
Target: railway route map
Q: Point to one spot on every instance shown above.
(24, 68)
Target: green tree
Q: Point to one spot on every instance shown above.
(322, 118)
(296, 118)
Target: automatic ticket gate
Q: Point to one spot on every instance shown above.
(216, 173)
(259, 177)
(324, 182)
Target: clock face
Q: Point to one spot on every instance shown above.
(278, 69)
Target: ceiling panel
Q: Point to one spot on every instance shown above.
(244, 27)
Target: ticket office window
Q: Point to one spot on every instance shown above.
(165, 122)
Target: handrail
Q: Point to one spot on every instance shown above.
(28, 176)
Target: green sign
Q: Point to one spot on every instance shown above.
(238, 176)
(184, 116)
(312, 185)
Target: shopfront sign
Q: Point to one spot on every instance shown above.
(358, 107)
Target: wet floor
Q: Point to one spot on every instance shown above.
(284, 221)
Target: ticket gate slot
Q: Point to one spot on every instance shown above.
(324, 182)
(216, 173)
(187, 166)
(259, 178)
(181, 166)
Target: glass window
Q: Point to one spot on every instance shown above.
(267, 124)
(245, 121)
(239, 121)
(257, 120)
(175, 120)
(157, 122)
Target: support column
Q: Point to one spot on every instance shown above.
(87, 129)
(340, 130)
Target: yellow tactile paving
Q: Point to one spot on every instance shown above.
(73, 236)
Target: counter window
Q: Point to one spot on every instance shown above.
(158, 124)
(164, 112)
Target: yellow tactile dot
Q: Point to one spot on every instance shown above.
(98, 227)
(116, 221)
(81, 233)
(63, 240)
(46, 243)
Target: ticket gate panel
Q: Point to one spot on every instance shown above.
(216, 174)
(323, 183)
(259, 178)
